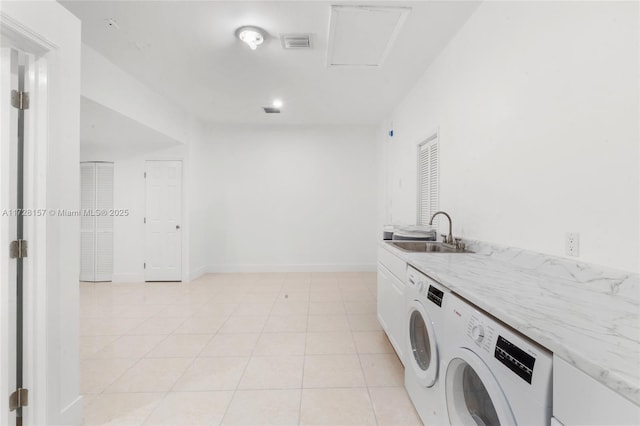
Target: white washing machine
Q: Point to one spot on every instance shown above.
(493, 374)
(426, 302)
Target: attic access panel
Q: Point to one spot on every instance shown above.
(362, 36)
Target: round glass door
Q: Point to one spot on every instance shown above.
(474, 398)
(424, 353)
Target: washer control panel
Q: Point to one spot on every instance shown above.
(424, 286)
(477, 333)
(480, 333)
(515, 359)
(435, 295)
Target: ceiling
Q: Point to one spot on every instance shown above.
(187, 51)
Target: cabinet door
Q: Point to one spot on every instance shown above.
(391, 308)
(578, 399)
(384, 291)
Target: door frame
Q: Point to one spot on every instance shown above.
(35, 228)
(53, 51)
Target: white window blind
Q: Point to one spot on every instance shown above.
(428, 178)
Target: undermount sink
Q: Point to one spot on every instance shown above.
(426, 247)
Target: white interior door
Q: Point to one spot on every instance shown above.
(163, 233)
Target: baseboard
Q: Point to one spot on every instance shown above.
(293, 268)
(197, 273)
(127, 278)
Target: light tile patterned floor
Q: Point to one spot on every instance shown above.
(240, 349)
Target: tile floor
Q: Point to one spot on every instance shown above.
(240, 349)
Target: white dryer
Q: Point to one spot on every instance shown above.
(426, 302)
(493, 374)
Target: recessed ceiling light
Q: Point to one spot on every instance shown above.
(277, 103)
(253, 36)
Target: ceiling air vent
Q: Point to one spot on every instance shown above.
(271, 110)
(296, 41)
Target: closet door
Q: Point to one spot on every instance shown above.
(104, 222)
(96, 224)
(87, 221)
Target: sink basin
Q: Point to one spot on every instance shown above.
(425, 247)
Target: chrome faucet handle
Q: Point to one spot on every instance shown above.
(459, 244)
(444, 238)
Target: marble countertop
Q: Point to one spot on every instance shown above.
(587, 316)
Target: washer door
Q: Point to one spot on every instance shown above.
(474, 397)
(422, 342)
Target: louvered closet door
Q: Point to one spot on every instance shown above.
(96, 224)
(104, 222)
(87, 222)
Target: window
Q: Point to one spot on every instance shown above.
(428, 178)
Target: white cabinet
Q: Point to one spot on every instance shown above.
(578, 399)
(391, 298)
(96, 221)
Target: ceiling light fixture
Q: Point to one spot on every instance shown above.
(253, 36)
(277, 103)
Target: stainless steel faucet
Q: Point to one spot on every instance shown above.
(449, 238)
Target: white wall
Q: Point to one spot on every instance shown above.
(135, 106)
(257, 199)
(105, 83)
(195, 184)
(290, 198)
(537, 104)
(129, 193)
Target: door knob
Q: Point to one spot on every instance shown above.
(177, 226)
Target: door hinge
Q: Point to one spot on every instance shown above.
(145, 220)
(145, 175)
(18, 249)
(19, 399)
(20, 100)
(145, 265)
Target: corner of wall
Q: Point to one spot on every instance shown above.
(197, 273)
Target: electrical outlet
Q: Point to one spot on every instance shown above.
(572, 244)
